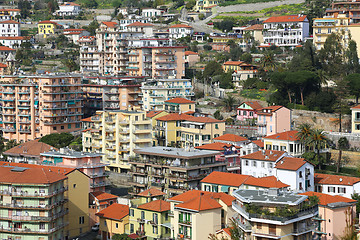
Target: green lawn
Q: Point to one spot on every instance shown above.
(279, 10)
(255, 94)
(227, 3)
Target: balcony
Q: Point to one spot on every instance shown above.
(303, 230)
(35, 218)
(184, 222)
(33, 195)
(99, 184)
(38, 207)
(29, 231)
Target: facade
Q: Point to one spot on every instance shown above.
(286, 141)
(256, 32)
(344, 186)
(46, 28)
(240, 76)
(286, 31)
(99, 201)
(180, 30)
(205, 6)
(13, 42)
(68, 9)
(179, 105)
(113, 220)
(153, 116)
(116, 135)
(257, 214)
(349, 7)
(191, 58)
(248, 111)
(9, 14)
(174, 170)
(230, 138)
(35, 106)
(75, 34)
(273, 119)
(4, 53)
(10, 28)
(151, 12)
(355, 119)
(197, 214)
(155, 92)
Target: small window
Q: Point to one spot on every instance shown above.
(74, 186)
(116, 225)
(131, 212)
(62, 127)
(300, 174)
(246, 162)
(81, 220)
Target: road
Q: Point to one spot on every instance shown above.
(200, 26)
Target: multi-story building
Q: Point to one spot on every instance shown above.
(179, 105)
(180, 30)
(4, 53)
(273, 119)
(355, 119)
(13, 42)
(337, 184)
(68, 9)
(191, 58)
(286, 31)
(111, 93)
(47, 28)
(168, 129)
(99, 201)
(32, 204)
(88, 163)
(255, 32)
(10, 28)
(197, 214)
(347, 7)
(116, 135)
(9, 14)
(274, 214)
(248, 111)
(34, 106)
(286, 141)
(173, 170)
(89, 54)
(151, 12)
(155, 92)
(113, 220)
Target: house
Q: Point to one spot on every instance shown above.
(220, 43)
(4, 53)
(229, 182)
(145, 28)
(151, 219)
(224, 234)
(230, 66)
(355, 119)
(27, 152)
(273, 119)
(10, 28)
(286, 31)
(231, 139)
(75, 34)
(46, 28)
(113, 220)
(256, 214)
(97, 202)
(9, 14)
(68, 9)
(285, 141)
(149, 195)
(256, 32)
(4, 69)
(13, 42)
(196, 214)
(205, 6)
(191, 58)
(336, 184)
(335, 212)
(180, 30)
(179, 105)
(245, 72)
(151, 12)
(247, 111)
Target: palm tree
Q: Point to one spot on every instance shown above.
(229, 102)
(317, 140)
(343, 144)
(304, 132)
(268, 62)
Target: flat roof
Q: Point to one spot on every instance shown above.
(70, 154)
(175, 152)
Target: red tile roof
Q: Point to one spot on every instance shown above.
(74, 30)
(259, 143)
(61, 170)
(253, 104)
(151, 192)
(271, 108)
(254, 27)
(2, 65)
(329, 179)
(180, 26)
(226, 230)
(217, 146)
(86, 119)
(290, 163)
(140, 24)
(356, 107)
(204, 120)
(156, 206)
(286, 136)
(70, 3)
(289, 18)
(174, 117)
(101, 196)
(5, 48)
(9, 22)
(29, 176)
(231, 138)
(237, 63)
(326, 199)
(14, 38)
(151, 114)
(270, 155)
(10, 10)
(179, 101)
(29, 148)
(110, 24)
(48, 21)
(224, 178)
(114, 211)
(190, 53)
(265, 182)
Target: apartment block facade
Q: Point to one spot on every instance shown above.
(34, 106)
(116, 134)
(273, 119)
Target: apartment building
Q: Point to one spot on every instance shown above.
(180, 31)
(13, 42)
(34, 106)
(347, 7)
(286, 31)
(273, 214)
(89, 54)
(355, 119)
(344, 186)
(75, 203)
(68, 9)
(9, 14)
(247, 111)
(197, 214)
(32, 204)
(116, 135)
(273, 119)
(172, 170)
(10, 28)
(179, 105)
(113, 220)
(286, 141)
(156, 92)
(88, 163)
(111, 93)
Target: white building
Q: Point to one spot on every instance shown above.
(12, 42)
(10, 28)
(286, 141)
(138, 27)
(9, 14)
(68, 9)
(123, 23)
(151, 12)
(180, 30)
(336, 184)
(75, 34)
(286, 31)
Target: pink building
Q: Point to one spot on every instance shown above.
(88, 163)
(99, 201)
(273, 119)
(247, 110)
(334, 214)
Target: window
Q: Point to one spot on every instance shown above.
(300, 174)
(341, 190)
(189, 106)
(69, 126)
(251, 114)
(268, 147)
(258, 225)
(116, 225)
(105, 223)
(155, 218)
(262, 164)
(54, 128)
(216, 126)
(300, 186)
(246, 162)
(155, 230)
(131, 228)
(215, 188)
(42, 226)
(271, 128)
(81, 220)
(62, 127)
(131, 212)
(270, 165)
(254, 164)
(331, 189)
(142, 215)
(74, 186)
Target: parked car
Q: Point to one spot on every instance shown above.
(95, 228)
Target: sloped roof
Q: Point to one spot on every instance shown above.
(48, 21)
(259, 143)
(231, 138)
(265, 182)
(268, 155)
(286, 136)
(216, 146)
(225, 178)
(140, 24)
(180, 26)
(9, 22)
(156, 206)
(174, 117)
(253, 104)
(70, 4)
(179, 101)
(2, 65)
(29, 148)
(86, 119)
(204, 120)
(289, 18)
(254, 27)
(114, 211)
(5, 48)
(151, 114)
(356, 107)
(326, 199)
(237, 63)
(190, 53)
(110, 24)
(290, 163)
(101, 196)
(61, 170)
(329, 179)
(151, 192)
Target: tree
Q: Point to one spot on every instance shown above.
(303, 81)
(352, 57)
(305, 58)
(190, 4)
(231, 43)
(225, 25)
(217, 115)
(304, 132)
(25, 8)
(58, 140)
(353, 84)
(268, 62)
(343, 144)
(207, 47)
(229, 102)
(70, 64)
(246, 57)
(90, 4)
(212, 69)
(350, 232)
(317, 140)
(92, 27)
(236, 233)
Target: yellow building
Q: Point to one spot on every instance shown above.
(113, 220)
(46, 28)
(153, 116)
(355, 119)
(151, 219)
(148, 195)
(179, 105)
(197, 214)
(205, 5)
(116, 134)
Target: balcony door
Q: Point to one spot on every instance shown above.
(272, 229)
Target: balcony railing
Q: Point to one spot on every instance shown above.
(35, 218)
(21, 206)
(30, 231)
(33, 195)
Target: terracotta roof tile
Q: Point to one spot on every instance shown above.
(226, 230)
(30, 148)
(255, 105)
(290, 163)
(270, 155)
(9, 22)
(174, 117)
(2, 65)
(237, 63)
(356, 107)
(48, 21)
(110, 24)
(216, 146)
(259, 143)
(180, 26)
(14, 38)
(231, 138)
(286, 136)
(254, 27)
(61, 170)
(329, 179)
(224, 178)
(203, 119)
(103, 195)
(114, 211)
(190, 53)
(156, 206)
(151, 192)
(86, 119)
(265, 182)
(289, 18)
(151, 114)
(5, 48)
(140, 24)
(263, 111)
(326, 199)
(179, 101)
